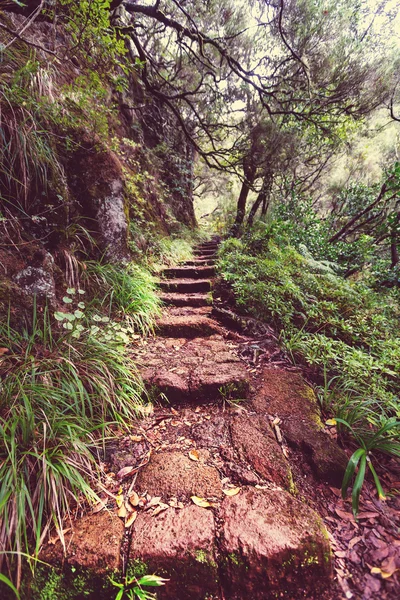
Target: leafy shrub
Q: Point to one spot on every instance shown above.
(343, 329)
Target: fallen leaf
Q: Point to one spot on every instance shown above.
(131, 519)
(134, 499)
(4, 351)
(331, 422)
(99, 506)
(367, 515)
(125, 472)
(232, 491)
(193, 455)
(119, 498)
(159, 509)
(174, 412)
(200, 501)
(154, 501)
(122, 512)
(344, 515)
(136, 438)
(354, 541)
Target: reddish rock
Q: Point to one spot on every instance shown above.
(274, 546)
(256, 444)
(286, 395)
(177, 299)
(190, 272)
(174, 474)
(188, 326)
(193, 370)
(179, 545)
(186, 286)
(94, 544)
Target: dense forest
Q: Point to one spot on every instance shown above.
(199, 299)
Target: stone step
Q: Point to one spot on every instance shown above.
(177, 299)
(185, 286)
(201, 259)
(204, 252)
(194, 370)
(187, 326)
(189, 272)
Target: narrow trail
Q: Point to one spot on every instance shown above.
(223, 474)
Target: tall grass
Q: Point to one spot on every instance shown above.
(129, 290)
(59, 396)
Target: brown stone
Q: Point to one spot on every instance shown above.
(179, 545)
(188, 326)
(286, 395)
(185, 286)
(272, 544)
(174, 474)
(95, 544)
(193, 370)
(256, 444)
(177, 299)
(213, 433)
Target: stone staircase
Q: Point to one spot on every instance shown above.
(218, 515)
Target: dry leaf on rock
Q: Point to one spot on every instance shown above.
(98, 507)
(131, 519)
(159, 509)
(125, 472)
(232, 491)
(153, 502)
(122, 512)
(134, 499)
(200, 501)
(119, 499)
(194, 455)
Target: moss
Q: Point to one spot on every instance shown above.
(137, 568)
(70, 583)
(204, 558)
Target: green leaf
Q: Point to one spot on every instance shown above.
(81, 292)
(152, 580)
(68, 326)
(378, 484)
(81, 305)
(10, 584)
(67, 300)
(59, 316)
(351, 467)
(97, 318)
(71, 291)
(105, 319)
(355, 496)
(78, 314)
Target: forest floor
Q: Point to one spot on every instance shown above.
(229, 487)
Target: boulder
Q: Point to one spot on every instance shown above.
(273, 546)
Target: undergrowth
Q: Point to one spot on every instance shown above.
(343, 330)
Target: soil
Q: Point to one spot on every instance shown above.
(229, 487)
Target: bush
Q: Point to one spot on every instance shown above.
(344, 330)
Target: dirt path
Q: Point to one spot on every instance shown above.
(225, 475)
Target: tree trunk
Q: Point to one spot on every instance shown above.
(262, 199)
(241, 205)
(394, 251)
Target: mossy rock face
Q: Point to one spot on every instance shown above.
(286, 395)
(178, 545)
(272, 544)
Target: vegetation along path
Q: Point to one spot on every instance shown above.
(214, 489)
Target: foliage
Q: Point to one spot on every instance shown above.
(128, 291)
(59, 394)
(343, 330)
(387, 440)
(133, 588)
